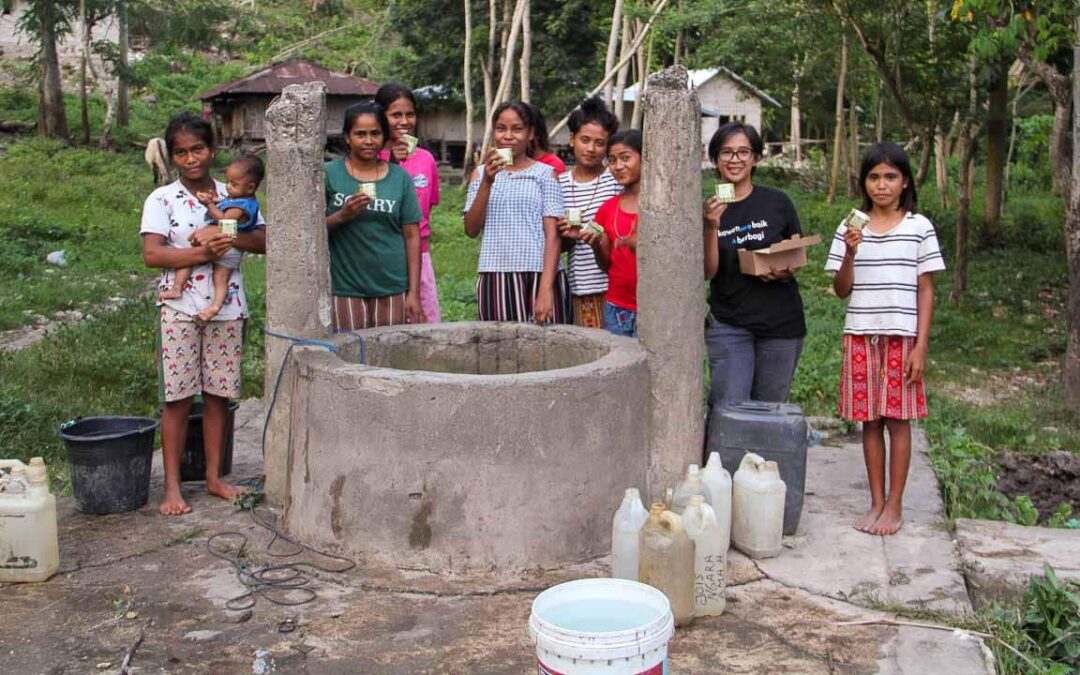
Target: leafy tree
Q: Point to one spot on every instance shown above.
(46, 22)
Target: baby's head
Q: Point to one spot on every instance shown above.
(243, 175)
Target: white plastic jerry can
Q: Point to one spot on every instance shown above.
(691, 484)
(625, 531)
(710, 557)
(28, 543)
(718, 480)
(757, 508)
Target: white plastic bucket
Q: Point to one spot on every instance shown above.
(601, 626)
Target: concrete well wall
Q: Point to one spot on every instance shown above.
(465, 446)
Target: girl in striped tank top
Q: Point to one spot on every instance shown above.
(885, 270)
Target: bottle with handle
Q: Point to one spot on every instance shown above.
(625, 534)
(691, 485)
(718, 480)
(757, 508)
(710, 557)
(667, 561)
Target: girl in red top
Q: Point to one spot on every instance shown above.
(616, 246)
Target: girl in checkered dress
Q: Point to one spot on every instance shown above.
(886, 273)
(516, 205)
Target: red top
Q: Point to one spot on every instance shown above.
(622, 274)
(552, 160)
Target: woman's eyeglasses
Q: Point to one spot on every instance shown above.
(742, 154)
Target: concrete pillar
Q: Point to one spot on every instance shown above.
(671, 300)
(297, 257)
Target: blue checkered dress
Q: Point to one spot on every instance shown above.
(513, 237)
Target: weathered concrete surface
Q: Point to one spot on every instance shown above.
(297, 257)
(917, 567)
(382, 620)
(486, 458)
(671, 320)
(999, 558)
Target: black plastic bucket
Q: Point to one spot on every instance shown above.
(109, 459)
(193, 463)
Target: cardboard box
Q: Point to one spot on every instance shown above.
(789, 253)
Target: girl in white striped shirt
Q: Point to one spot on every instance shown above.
(886, 272)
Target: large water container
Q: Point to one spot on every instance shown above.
(625, 534)
(692, 484)
(28, 544)
(757, 508)
(667, 561)
(710, 557)
(718, 480)
(776, 432)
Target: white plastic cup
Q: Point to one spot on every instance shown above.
(507, 155)
(370, 190)
(601, 627)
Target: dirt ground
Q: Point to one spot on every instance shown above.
(1048, 479)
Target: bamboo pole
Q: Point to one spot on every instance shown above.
(467, 74)
(612, 45)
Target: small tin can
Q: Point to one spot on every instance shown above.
(369, 189)
(725, 192)
(227, 226)
(411, 141)
(507, 155)
(573, 217)
(857, 220)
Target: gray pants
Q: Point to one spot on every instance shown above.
(746, 368)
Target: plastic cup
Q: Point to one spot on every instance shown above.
(857, 220)
(725, 192)
(573, 217)
(369, 189)
(507, 155)
(227, 226)
(411, 142)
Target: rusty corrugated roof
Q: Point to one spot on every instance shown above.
(270, 81)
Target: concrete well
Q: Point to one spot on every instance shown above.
(466, 446)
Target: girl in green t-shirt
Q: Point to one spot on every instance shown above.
(373, 217)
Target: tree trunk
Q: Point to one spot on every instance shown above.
(967, 153)
(466, 72)
(679, 36)
(620, 80)
(506, 71)
(879, 122)
(612, 47)
(796, 126)
(996, 132)
(1072, 244)
(488, 68)
(1021, 91)
(642, 74)
(853, 150)
(52, 118)
(526, 51)
(105, 140)
(941, 167)
(84, 65)
(122, 112)
(926, 141)
(838, 133)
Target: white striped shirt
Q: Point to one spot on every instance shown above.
(586, 277)
(884, 297)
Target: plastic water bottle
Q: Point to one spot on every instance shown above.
(687, 487)
(710, 557)
(625, 536)
(718, 480)
(667, 561)
(757, 508)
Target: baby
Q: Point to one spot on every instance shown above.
(242, 179)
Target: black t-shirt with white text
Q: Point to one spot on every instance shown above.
(768, 309)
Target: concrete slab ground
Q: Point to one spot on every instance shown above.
(134, 573)
(1000, 557)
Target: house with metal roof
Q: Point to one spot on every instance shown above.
(725, 97)
(238, 108)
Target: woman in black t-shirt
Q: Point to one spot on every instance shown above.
(757, 328)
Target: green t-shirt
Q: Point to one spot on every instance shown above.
(367, 253)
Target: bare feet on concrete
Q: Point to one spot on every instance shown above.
(173, 504)
(226, 491)
(889, 521)
(867, 521)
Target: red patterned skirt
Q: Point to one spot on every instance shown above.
(872, 379)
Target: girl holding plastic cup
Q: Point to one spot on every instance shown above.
(514, 202)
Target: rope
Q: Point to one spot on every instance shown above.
(286, 584)
(293, 341)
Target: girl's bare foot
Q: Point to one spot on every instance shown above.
(889, 521)
(208, 314)
(173, 504)
(867, 521)
(226, 491)
(173, 293)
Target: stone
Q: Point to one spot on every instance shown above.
(999, 558)
(201, 635)
(298, 258)
(671, 279)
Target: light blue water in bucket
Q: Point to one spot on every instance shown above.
(600, 615)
